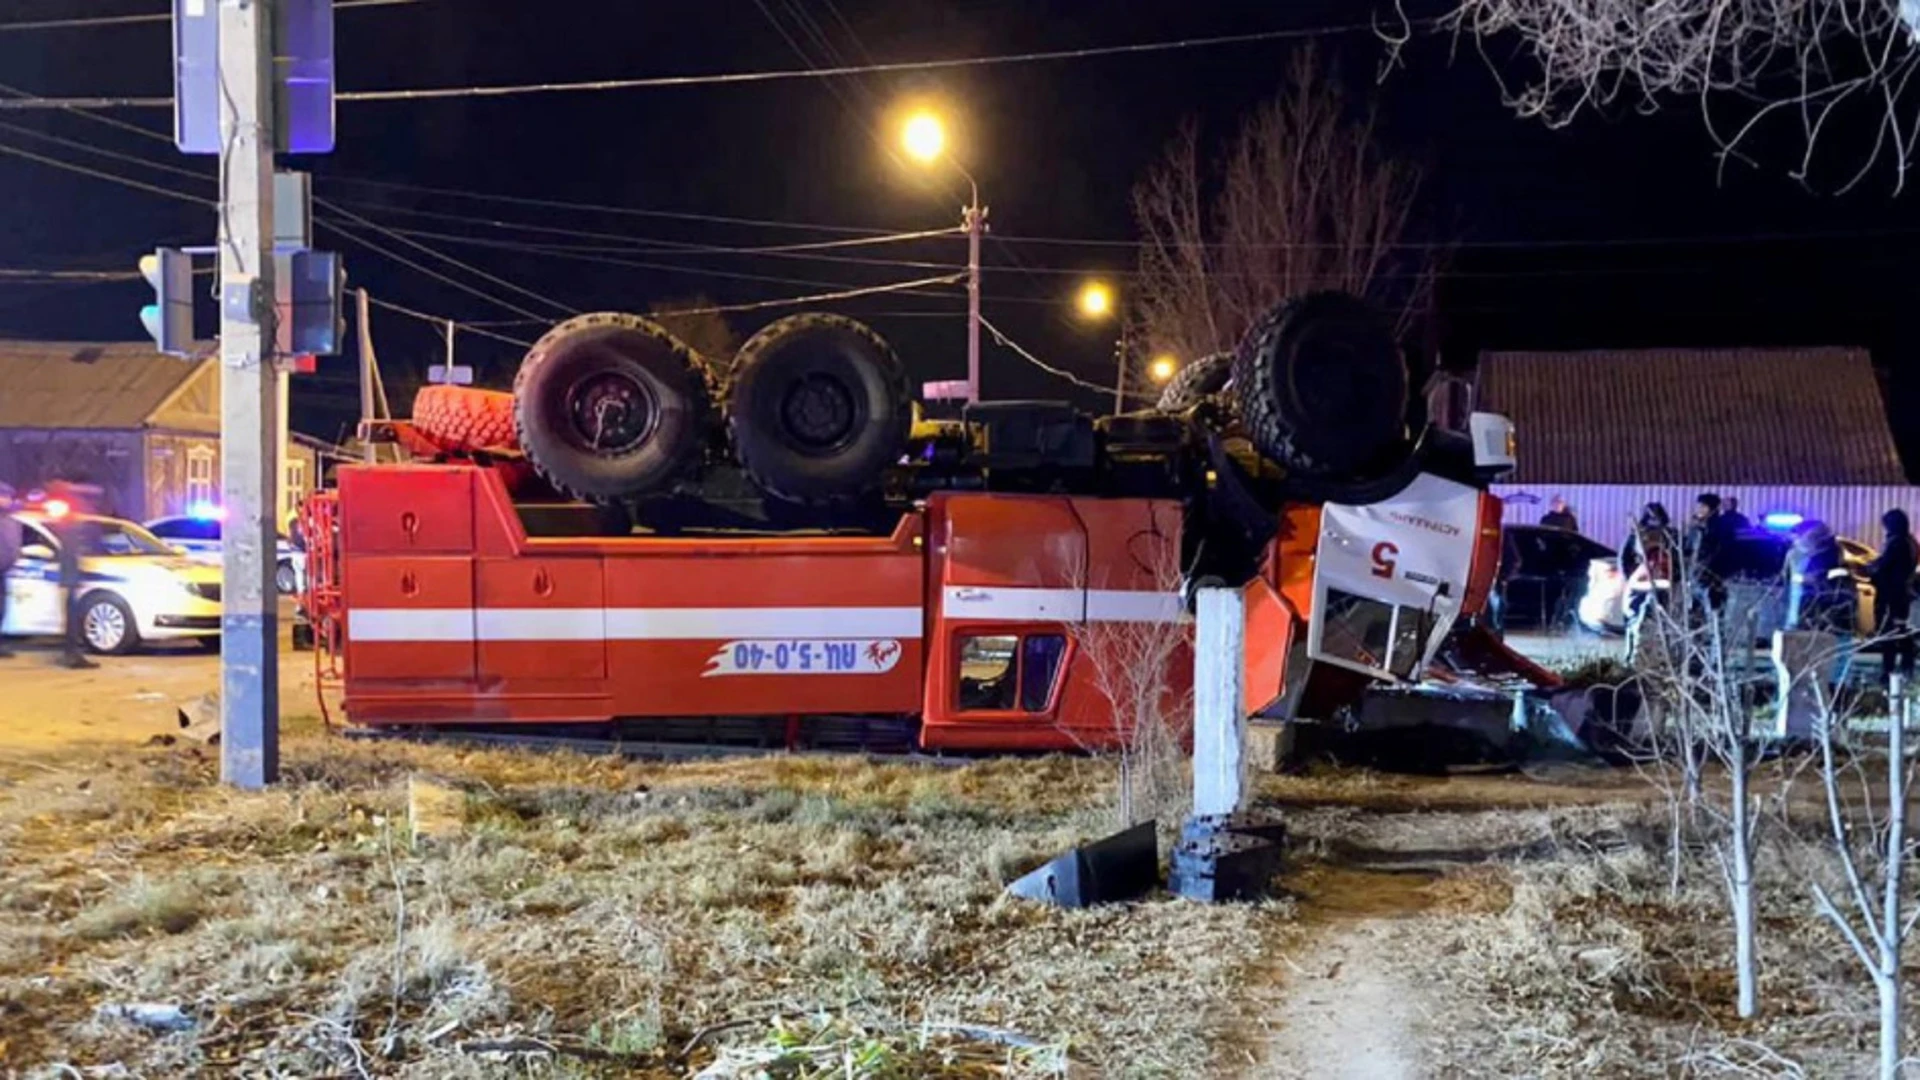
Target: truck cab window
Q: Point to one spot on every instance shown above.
(1039, 668)
(987, 672)
(1007, 672)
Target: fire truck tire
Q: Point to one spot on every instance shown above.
(608, 406)
(818, 408)
(463, 418)
(1321, 387)
(1202, 378)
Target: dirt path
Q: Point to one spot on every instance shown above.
(1349, 1012)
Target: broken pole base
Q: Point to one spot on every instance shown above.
(1124, 866)
(1227, 857)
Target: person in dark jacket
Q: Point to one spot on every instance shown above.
(11, 537)
(76, 534)
(1891, 573)
(1559, 516)
(1509, 569)
(1818, 584)
(1737, 522)
(1709, 547)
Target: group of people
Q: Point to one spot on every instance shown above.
(67, 528)
(1820, 592)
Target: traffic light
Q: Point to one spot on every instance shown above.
(169, 319)
(311, 287)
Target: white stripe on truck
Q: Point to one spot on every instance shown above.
(1011, 604)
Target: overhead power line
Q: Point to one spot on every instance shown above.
(448, 259)
(442, 320)
(160, 16)
(843, 294)
(1008, 343)
(740, 77)
(138, 185)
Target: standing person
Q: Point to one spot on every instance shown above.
(1558, 516)
(1509, 569)
(1814, 589)
(1709, 545)
(1736, 522)
(72, 531)
(1646, 562)
(11, 537)
(1892, 575)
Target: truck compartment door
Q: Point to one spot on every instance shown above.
(541, 618)
(410, 618)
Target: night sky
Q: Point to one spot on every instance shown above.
(1056, 147)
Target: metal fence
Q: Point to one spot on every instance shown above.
(1606, 510)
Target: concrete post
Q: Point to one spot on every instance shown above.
(249, 665)
(1219, 702)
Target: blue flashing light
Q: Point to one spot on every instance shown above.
(1782, 520)
(204, 511)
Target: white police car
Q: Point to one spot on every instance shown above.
(197, 533)
(134, 588)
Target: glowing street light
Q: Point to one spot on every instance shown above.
(1163, 368)
(1096, 300)
(924, 138)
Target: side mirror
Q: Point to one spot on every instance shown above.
(37, 551)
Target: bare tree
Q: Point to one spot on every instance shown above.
(1303, 199)
(1690, 647)
(1870, 849)
(1137, 664)
(1801, 61)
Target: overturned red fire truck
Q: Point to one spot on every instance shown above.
(581, 576)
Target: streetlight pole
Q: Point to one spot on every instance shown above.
(973, 217)
(1120, 372)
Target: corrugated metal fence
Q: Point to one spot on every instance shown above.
(1605, 510)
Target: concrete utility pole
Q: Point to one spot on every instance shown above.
(249, 399)
(974, 218)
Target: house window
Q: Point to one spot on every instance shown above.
(200, 482)
(296, 487)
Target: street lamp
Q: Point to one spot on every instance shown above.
(1164, 368)
(1096, 300)
(924, 138)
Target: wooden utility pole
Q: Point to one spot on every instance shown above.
(249, 399)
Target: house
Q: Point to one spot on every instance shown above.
(1787, 431)
(142, 426)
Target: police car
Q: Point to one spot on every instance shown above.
(134, 588)
(197, 532)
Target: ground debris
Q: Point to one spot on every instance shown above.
(149, 1015)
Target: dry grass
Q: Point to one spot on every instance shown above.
(606, 909)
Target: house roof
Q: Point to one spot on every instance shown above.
(1728, 416)
(66, 384)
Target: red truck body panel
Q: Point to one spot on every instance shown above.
(453, 614)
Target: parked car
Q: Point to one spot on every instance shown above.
(136, 588)
(1544, 590)
(1756, 587)
(198, 535)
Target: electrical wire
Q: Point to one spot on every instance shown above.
(448, 259)
(442, 320)
(97, 174)
(1008, 343)
(602, 208)
(587, 251)
(162, 16)
(388, 253)
(90, 148)
(844, 294)
(646, 245)
(738, 77)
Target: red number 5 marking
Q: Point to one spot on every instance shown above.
(1383, 558)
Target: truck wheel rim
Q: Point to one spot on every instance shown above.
(611, 412)
(104, 626)
(819, 413)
